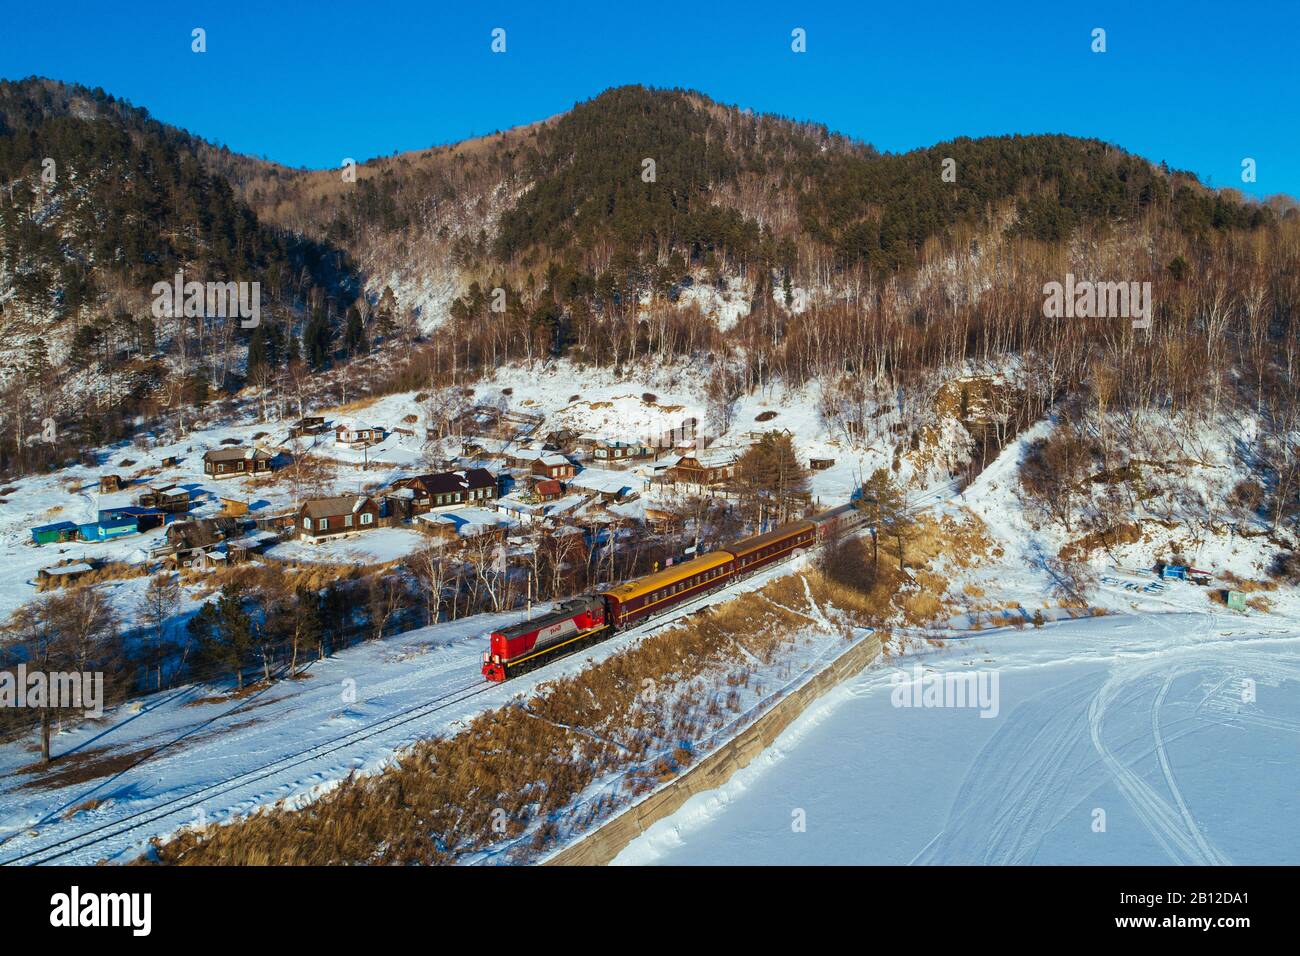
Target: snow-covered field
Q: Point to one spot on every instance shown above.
(1161, 737)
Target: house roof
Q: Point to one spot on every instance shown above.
(549, 487)
(235, 453)
(57, 526)
(551, 461)
(330, 507)
(446, 482)
(708, 459)
(79, 568)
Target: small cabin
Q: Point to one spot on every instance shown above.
(341, 514)
(236, 461)
(548, 489)
(171, 499)
(110, 484)
(357, 434)
(307, 425)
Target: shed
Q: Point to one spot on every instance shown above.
(55, 533)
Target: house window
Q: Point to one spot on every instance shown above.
(347, 521)
(324, 524)
(367, 517)
(306, 523)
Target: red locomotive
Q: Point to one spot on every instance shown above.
(585, 620)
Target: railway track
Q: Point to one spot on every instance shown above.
(97, 835)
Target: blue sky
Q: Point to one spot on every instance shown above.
(1199, 85)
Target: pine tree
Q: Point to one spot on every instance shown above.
(316, 340)
(354, 334)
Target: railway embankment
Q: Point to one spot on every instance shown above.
(602, 845)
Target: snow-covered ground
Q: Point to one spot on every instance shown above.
(1151, 738)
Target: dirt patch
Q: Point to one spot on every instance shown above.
(82, 767)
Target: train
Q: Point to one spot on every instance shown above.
(586, 620)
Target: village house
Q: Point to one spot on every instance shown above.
(341, 514)
(357, 434)
(552, 466)
(110, 484)
(172, 499)
(237, 460)
(607, 451)
(561, 439)
(548, 489)
(307, 425)
(462, 525)
(702, 468)
(275, 521)
(188, 541)
(450, 489)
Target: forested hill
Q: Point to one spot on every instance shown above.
(728, 190)
(101, 199)
(636, 201)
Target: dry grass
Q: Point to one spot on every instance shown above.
(1246, 585)
(113, 571)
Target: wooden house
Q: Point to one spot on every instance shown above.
(605, 451)
(548, 489)
(234, 507)
(450, 489)
(110, 484)
(307, 425)
(171, 499)
(357, 434)
(820, 464)
(276, 521)
(702, 468)
(551, 465)
(323, 517)
(237, 460)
